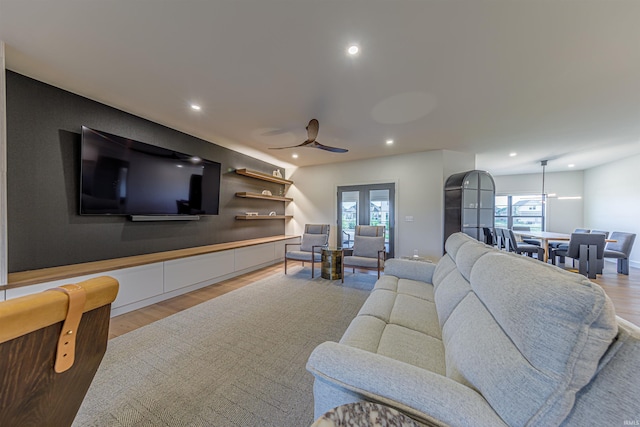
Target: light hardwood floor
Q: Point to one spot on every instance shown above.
(623, 290)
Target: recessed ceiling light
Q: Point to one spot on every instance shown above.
(571, 165)
(294, 155)
(353, 49)
(196, 107)
(513, 154)
(389, 141)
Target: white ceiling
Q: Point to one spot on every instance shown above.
(557, 80)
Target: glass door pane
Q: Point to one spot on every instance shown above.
(379, 212)
(349, 210)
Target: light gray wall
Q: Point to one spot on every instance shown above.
(419, 180)
(612, 199)
(563, 216)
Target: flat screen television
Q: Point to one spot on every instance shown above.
(120, 176)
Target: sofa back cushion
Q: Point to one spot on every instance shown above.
(524, 334)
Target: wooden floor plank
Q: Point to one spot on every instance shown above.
(623, 290)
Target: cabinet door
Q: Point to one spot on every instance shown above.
(487, 199)
(486, 183)
(469, 218)
(470, 199)
(471, 181)
(486, 218)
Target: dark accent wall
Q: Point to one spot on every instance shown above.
(43, 173)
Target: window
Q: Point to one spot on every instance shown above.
(523, 211)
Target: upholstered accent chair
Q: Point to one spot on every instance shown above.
(588, 249)
(620, 249)
(368, 249)
(314, 238)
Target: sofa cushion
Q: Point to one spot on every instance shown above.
(406, 286)
(527, 336)
(412, 347)
(311, 240)
(614, 391)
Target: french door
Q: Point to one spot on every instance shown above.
(371, 204)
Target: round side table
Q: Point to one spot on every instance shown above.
(364, 414)
(331, 263)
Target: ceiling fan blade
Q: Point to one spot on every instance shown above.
(304, 144)
(328, 148)
(312, 130)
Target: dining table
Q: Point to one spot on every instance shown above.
(546, 236)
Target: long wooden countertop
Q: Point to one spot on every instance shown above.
(32, 277)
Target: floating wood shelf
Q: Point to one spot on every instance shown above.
(264, 217)
(262, 196)
(263, 176)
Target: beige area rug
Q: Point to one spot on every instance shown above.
(236, 360)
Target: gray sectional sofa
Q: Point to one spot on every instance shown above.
(485, 338)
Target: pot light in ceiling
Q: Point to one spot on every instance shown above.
(513, 154)
(196, 107)
(571, 165)
(294, 155)
(389, 141)
(353, 49)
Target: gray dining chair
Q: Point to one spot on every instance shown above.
(620, 249)
(315, 237)
(520, 247)
(587, 249)
(526, 239)
(563, 245)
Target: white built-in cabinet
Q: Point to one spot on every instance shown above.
(154, 282)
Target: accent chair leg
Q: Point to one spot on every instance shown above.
(313, 265)
(623, 266)
(285, 264)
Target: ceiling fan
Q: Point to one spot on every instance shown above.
(312, 133)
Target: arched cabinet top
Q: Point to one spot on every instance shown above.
(473, 179)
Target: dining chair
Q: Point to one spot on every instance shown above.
(526, 239)
(587, 249)
(368, 249)
(520, 247)
(564, 245)
(315, 237)
(620, 249)
(489, 236)
(51, 344)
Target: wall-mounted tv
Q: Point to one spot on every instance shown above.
(120, 176)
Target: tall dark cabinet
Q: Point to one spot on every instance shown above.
(469, 203)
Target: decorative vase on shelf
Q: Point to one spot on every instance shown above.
(277, 173)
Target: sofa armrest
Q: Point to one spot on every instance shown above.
(408, 269)
(415, 391)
